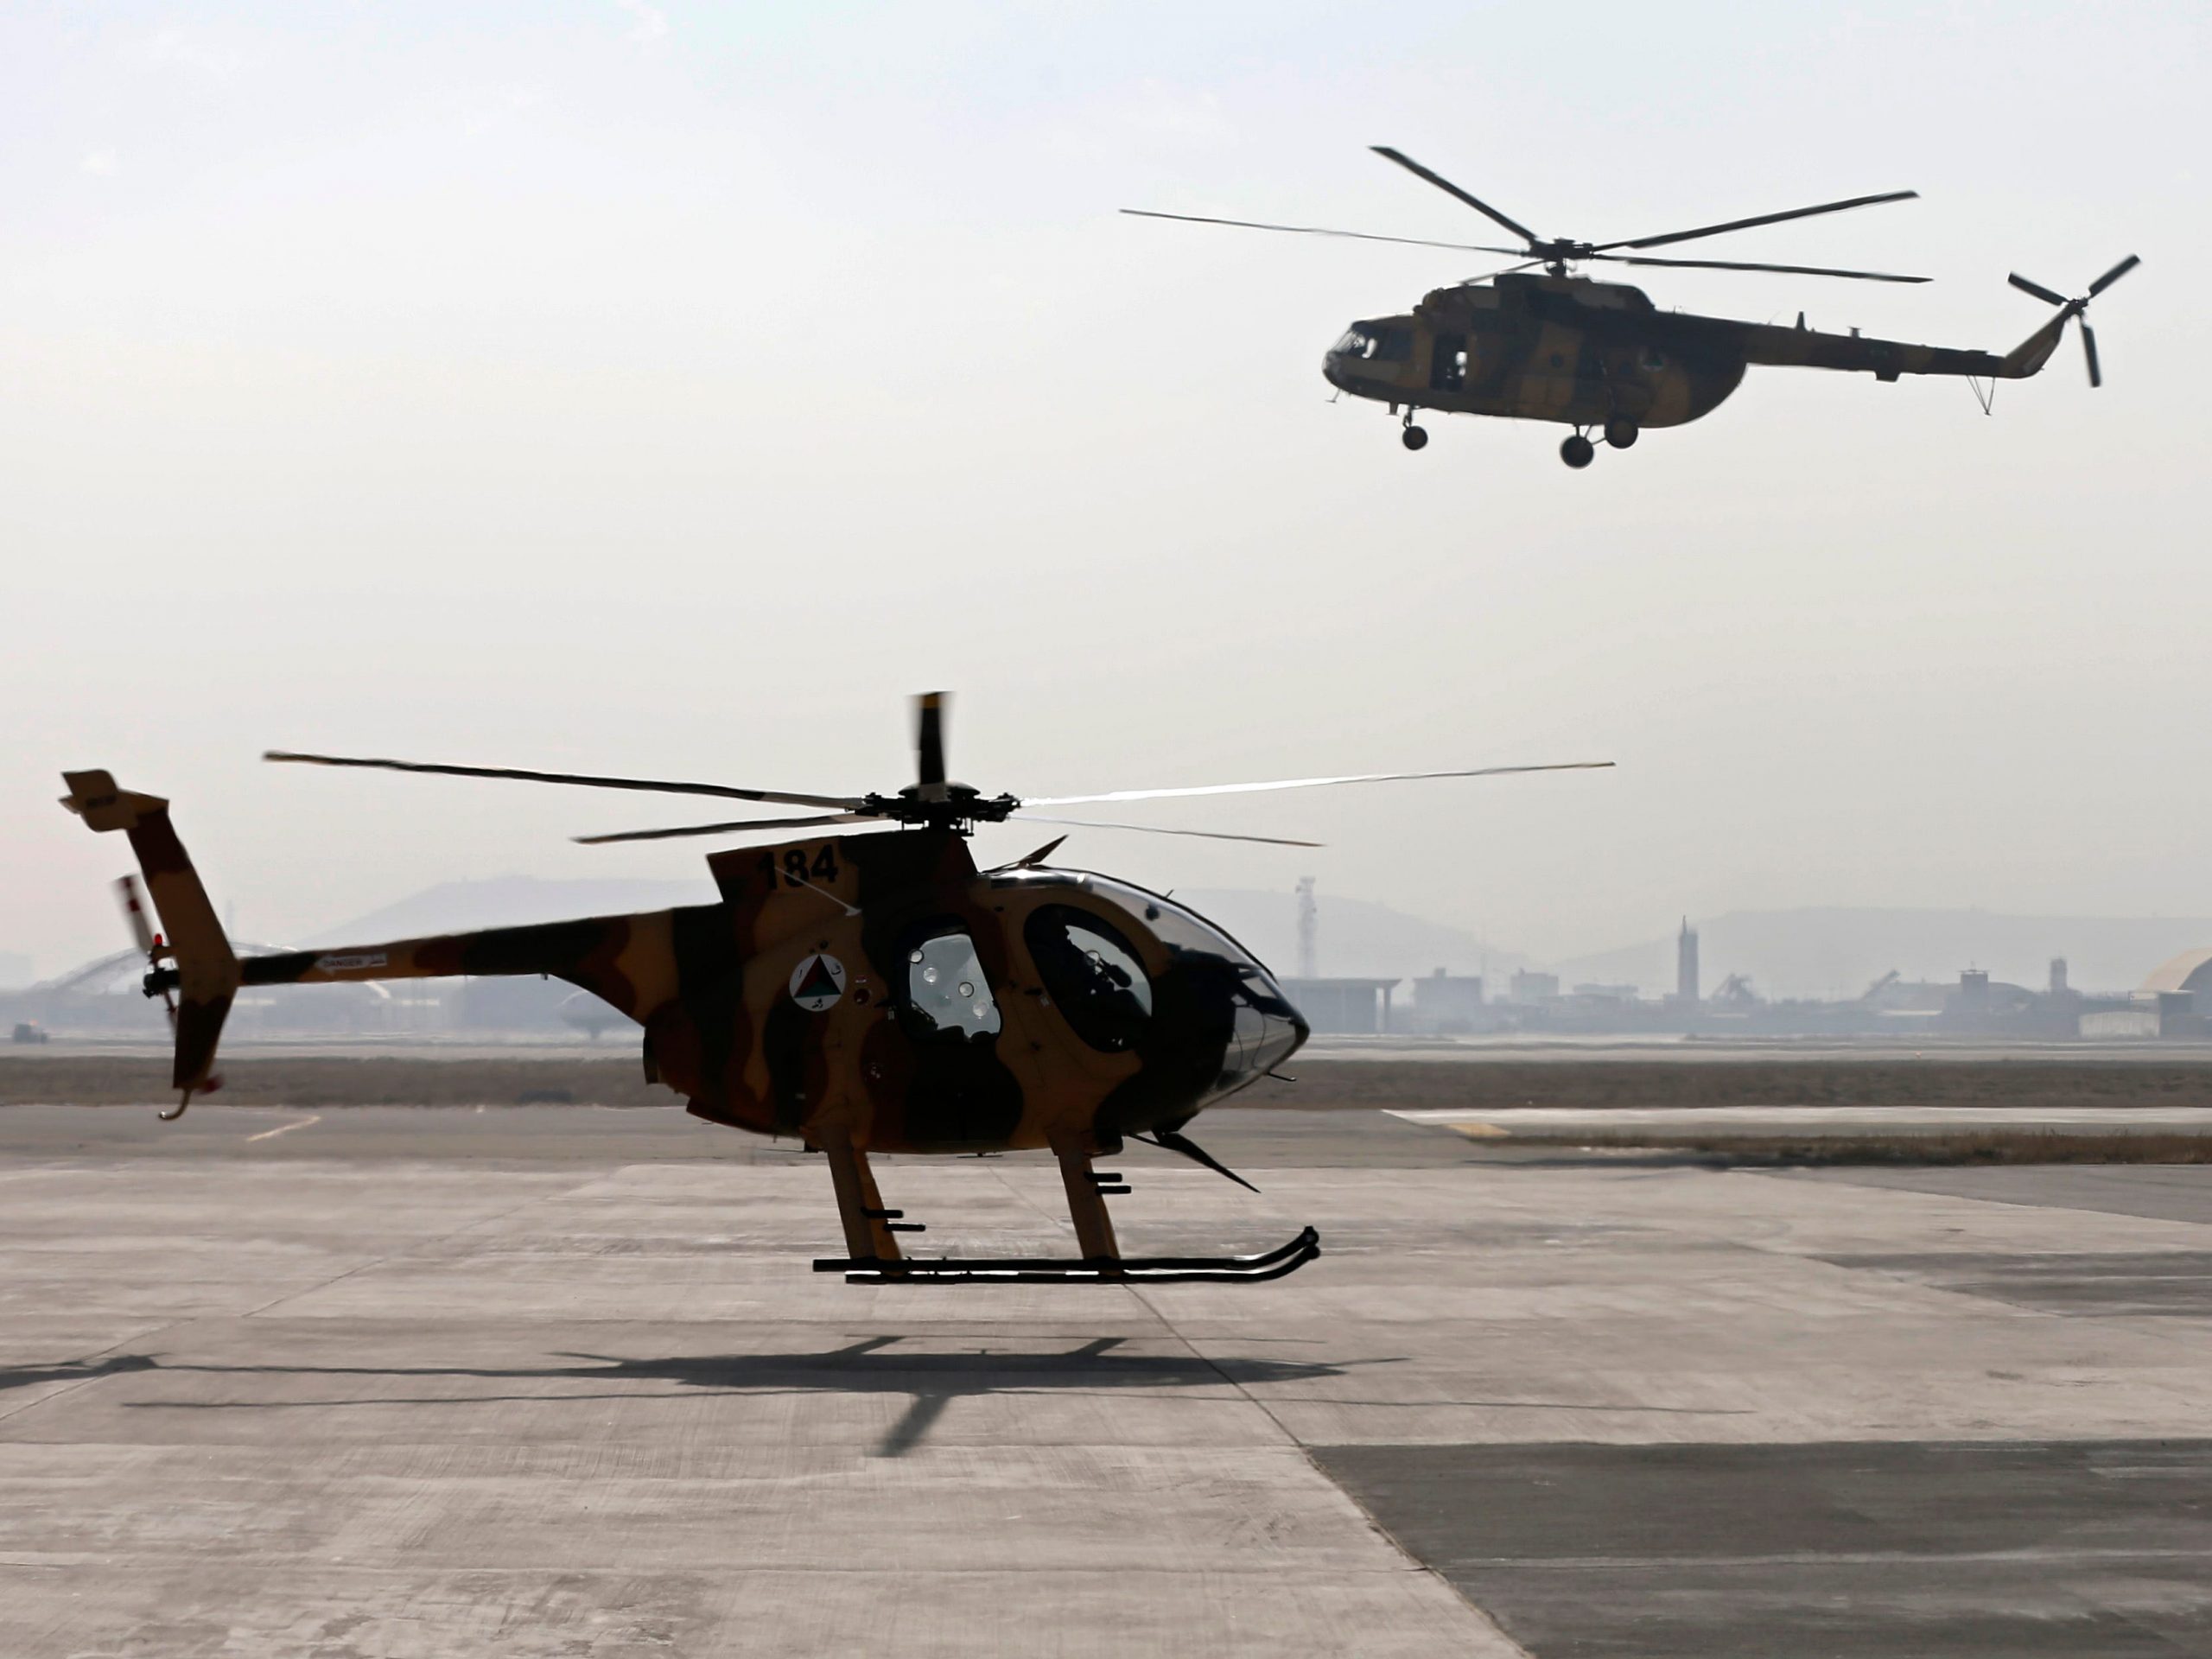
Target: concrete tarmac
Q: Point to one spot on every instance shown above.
(554, 1381)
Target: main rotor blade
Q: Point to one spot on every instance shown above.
(1305, 783)
(2113, 276)
(1453, 190)
(739, 827)
(929, 736)
(1762, 219)
(1154, 829)
(2089, 350)
(2035, 288)
(777, 796)
(1316, 229)
(1741, 264)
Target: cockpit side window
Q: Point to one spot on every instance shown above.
(1092, 973)
(948, 999)
(1375, 343)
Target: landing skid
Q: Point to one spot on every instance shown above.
(874, 1257)
(1097, 1270)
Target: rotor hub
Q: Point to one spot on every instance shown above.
(957, 807)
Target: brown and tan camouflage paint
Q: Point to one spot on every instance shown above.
(712, 985)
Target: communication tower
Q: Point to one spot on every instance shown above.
(1309, 928)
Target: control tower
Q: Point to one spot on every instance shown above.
(1686, 986)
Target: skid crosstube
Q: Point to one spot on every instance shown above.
(1098, 1270)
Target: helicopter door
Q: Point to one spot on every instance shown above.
(959, 1091)
(1447, 363)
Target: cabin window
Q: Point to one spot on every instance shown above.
(1091, 972)
(947, 995)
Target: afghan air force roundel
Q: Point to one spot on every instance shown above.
(817, 982)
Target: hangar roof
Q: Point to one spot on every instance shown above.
(2189, 971)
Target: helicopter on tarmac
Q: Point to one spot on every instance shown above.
(1547, 345)
(863, 992)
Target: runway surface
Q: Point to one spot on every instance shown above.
(557, 1381)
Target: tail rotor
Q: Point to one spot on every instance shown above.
(2075, 309)
(161, 979)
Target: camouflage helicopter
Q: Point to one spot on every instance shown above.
(1552, 346)
(861, 992)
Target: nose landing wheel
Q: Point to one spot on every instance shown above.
(1621, 432)
(1413, 438)
(1578, 452)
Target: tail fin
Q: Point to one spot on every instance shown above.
(207, 972)
(2031, 354)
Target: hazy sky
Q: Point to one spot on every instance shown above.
(674, 388)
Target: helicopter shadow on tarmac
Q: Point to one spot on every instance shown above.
(933, 1380)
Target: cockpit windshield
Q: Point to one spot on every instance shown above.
(1256, 1025)
(1377, 342)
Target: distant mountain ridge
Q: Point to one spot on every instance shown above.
(1820, 951)
(1357, 935)
(1354, 937)
(509, 901)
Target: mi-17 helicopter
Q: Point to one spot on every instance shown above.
(1552, 346)
(861, 992)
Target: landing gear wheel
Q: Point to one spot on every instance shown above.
(1578, 452)
(1413, 438)
(1621, 432)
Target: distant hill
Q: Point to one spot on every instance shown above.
(1820, 952)
(509, 901)
(1838, 952)
(1356, 937)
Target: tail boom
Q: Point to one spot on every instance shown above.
(629, 961)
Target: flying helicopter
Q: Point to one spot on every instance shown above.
(1535, 341)
(860, 991)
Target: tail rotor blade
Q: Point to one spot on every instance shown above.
(2035, 288)
(2114, 274)
(2089, 351)
(929, 737)
(142, 931)
(134, 911)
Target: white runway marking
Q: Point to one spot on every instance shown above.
(286, 1128)
(1507, 1120)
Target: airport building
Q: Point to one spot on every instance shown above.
(1357, 1007)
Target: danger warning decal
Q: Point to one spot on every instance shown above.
(817, 982)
